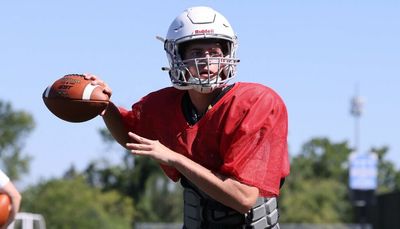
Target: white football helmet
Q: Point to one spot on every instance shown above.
(194, 24)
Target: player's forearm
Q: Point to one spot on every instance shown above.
(14, 194)
(10, 189)
(228, 191)
(113, 120)
(15, 198)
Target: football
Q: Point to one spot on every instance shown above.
(74, 99)
(5, 206)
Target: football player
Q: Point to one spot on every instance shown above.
(225, 142)
(7, 187)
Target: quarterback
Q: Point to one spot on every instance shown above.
(226, 143)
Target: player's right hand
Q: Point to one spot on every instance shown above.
(97, 81)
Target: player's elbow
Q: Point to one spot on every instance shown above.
(246, 202)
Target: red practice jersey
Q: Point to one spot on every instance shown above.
(243, 136)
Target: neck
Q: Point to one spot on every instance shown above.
(201, 101)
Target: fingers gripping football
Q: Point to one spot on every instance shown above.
(97, 81)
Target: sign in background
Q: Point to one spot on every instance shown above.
(363, 171)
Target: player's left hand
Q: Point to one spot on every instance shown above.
(151, 148)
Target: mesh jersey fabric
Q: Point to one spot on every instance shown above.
(244, 135)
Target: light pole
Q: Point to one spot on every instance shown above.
(356, 110)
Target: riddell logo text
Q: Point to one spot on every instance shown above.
(204, 31)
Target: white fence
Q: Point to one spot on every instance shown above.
(25, 220)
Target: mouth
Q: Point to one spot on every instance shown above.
(205, 74)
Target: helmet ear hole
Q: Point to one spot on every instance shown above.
(181, 49)
(225, 46)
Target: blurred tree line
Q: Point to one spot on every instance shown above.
(14, 127)
(117, 196)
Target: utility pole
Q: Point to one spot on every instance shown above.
(358, 162)
(356, 110)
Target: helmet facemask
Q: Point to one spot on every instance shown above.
(184, 79)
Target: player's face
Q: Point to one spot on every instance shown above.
(208, 56)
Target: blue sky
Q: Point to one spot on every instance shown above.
(313, 53)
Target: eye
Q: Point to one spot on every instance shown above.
(196, 54)
(216, 54)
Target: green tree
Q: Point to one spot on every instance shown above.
(315, 201)
(316, 190)
(161, 201)
(71, 203)
(320, 158)
(388, 177)
(14, 126)
(157, 198)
